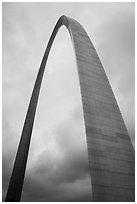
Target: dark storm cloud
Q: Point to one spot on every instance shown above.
(49, 183)
(7, 159)
(47, 191)
(52, 178)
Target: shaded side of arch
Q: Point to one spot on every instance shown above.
(110, 152)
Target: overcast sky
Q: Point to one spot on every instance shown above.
(57, 168)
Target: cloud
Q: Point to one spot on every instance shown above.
(8, 151)
(76, 191)
(62, 168)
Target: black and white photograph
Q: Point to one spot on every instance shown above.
(68, 101)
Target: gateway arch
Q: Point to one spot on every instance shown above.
(110, 152)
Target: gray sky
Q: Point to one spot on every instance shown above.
(57, 168)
